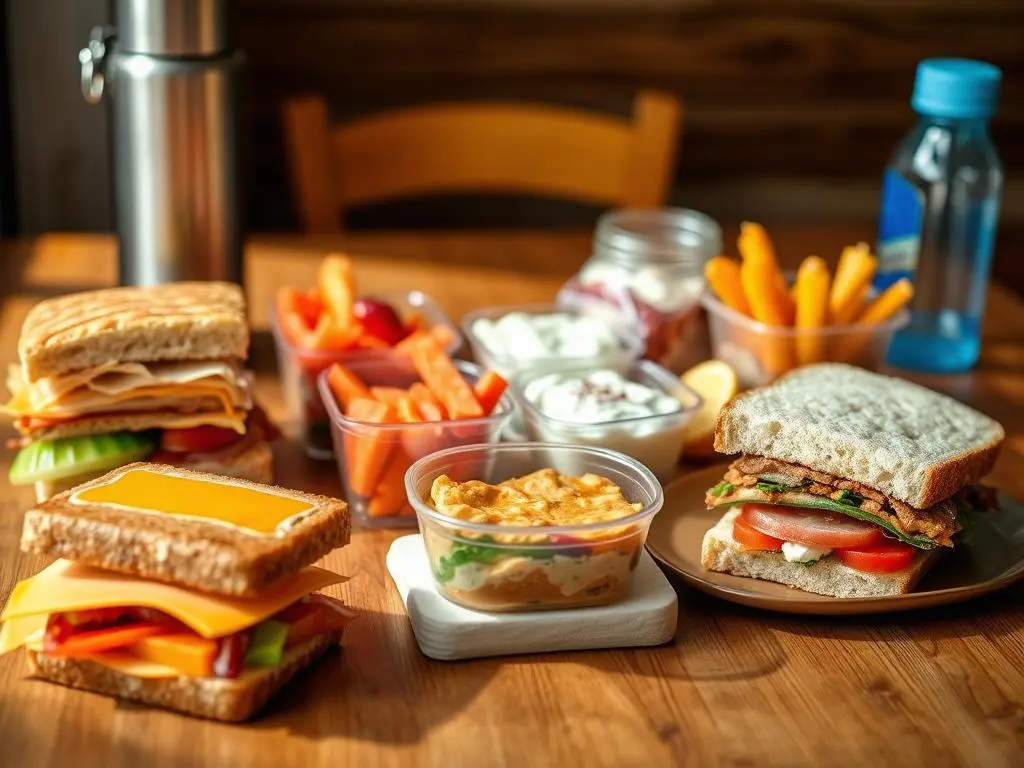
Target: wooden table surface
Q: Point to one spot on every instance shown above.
(736, 687)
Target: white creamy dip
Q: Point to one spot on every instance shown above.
(569, 574)
(526, 336)
(597, 398)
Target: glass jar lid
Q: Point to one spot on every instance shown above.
(669, 236)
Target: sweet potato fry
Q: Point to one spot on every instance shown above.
(754, 243)
(851, 284)
(812, 284)
(886, 304)
(723, 275)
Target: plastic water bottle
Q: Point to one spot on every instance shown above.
(940, 205)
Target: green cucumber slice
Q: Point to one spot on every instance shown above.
(267, 645)
(48, 460)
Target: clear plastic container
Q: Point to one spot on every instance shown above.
(505, 568)
(761, 353)
(656, 441)
(508, 362)
(647, 268)
(300, 367)
(373, 458)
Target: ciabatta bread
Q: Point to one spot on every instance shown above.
(902, 439)
(720, 552)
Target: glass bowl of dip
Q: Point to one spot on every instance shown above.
(640, 409)
(583, 557)
(538, 336)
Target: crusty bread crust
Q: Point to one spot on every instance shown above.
(177, 321)
(934, 478)
(720, 552)
(216, 699)
(255, 462)
(188, 552)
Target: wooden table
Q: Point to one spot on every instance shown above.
(737, 686)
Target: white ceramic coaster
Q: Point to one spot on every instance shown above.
(448, 631)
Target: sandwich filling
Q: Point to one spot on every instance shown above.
(759, 480)
(154, 630)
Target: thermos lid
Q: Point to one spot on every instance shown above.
(174, 27)
(956, 88)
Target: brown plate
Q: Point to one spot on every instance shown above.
(993, 560)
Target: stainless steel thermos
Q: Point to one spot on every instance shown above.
(172, 77)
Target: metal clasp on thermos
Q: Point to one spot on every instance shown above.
(170, 73)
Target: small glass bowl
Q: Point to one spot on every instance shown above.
(489, 567)
(396, 446)
(656, 441)
(300, 367)
(507, 363)
(761, 353)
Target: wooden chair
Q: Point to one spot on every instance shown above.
(484, 147)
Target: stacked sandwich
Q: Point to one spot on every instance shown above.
(178, 589)
(848, 483)
(114, 376)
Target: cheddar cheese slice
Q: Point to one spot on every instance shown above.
(221, 500)
(66, 586)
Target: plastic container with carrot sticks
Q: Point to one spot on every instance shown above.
(393, 419)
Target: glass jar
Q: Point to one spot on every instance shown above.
(647, 271)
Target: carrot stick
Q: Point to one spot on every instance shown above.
(430, 408)
(766, 304)
(346, 386)
(886, 304)
(755, 243)
(488, 390)
(336, 282)
(853, 276)
(444, 380)
(389, 496)
(812, 283)
(367, 450)
(390, 395)
(723, 275)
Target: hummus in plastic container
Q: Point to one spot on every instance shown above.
(533, 526)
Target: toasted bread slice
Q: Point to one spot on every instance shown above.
(217, 699)
(255, 462)
(720, 552)
(177, 321)
(904, 440)
(189, 546)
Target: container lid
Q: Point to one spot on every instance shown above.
(174, 27)
(658, 236)
(956, 88)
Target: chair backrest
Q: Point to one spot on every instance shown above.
(487, 147)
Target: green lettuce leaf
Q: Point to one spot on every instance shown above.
(850, 498)
(722, 489)
(767, 487)
(464, 554)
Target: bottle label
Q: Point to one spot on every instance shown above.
(899, 230)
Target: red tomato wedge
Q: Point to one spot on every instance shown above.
(201, 439)
(886, 557)
(752, 539)
(810, 526)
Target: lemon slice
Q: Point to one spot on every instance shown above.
(716, 383)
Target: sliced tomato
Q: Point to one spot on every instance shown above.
(202, 439)
(752, 539)
(810, 526)
(886, 557)
(82, 644)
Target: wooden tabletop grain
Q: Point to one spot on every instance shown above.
(735, 687)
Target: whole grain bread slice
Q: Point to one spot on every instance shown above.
(214, 698)
(188, 551)
(897, 437)
(176, 321)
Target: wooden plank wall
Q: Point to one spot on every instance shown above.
(811, 92)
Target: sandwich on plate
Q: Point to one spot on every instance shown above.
(848, 483)
(178, 589)
(114, 376)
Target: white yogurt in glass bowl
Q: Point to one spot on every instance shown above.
(639, 410)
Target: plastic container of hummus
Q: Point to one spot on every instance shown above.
(532, 526)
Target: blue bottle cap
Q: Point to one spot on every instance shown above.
(956, 88)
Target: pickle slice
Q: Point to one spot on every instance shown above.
(47, 460)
